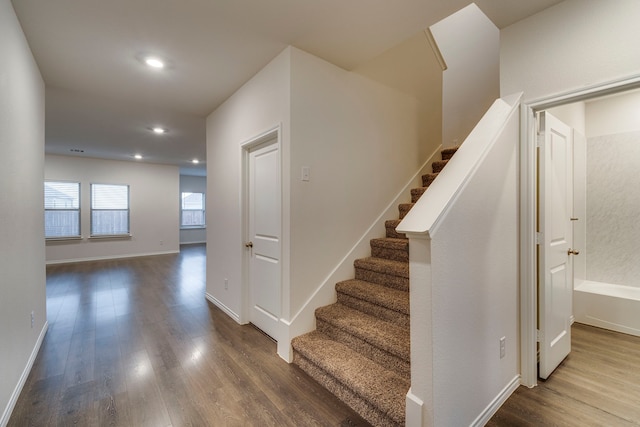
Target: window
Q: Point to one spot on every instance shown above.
(109, 210)
(61, 209)
(193, 212)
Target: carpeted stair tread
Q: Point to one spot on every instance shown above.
(427, 179)
(385, 266)
(384, 335)
(390, 226)
(384, 342)
(438, 165)
(381, 388)
(447, 153)
(392, 299)
(416, 193)
(393, 274)
(390, 248)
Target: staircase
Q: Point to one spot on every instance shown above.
(360, 348)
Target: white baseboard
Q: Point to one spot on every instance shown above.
(223, 307)
(107, 257)
(414, 411)
(23, 378)
(497, 402)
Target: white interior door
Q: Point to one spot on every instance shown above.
(555, 273)
(265, 237)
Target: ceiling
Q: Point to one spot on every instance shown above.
(102, 101)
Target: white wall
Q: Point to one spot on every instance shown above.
(613, 114)
(193, 184)
(470, 45)
(413, 69)
(566, 47)
(22, 256)
(260, 105)
(613, 161)
(153, 207)
(362, 143)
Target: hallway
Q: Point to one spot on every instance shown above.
(134, 342)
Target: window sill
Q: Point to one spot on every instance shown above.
(194, 227)
(62, 239)
(111, 237)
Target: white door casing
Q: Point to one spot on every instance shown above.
(264, 236)
(555, 247)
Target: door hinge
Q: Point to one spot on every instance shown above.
(538, 238)
(540, 140)
(538, 335)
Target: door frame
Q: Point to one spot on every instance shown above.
(528, 209)
(274, 132)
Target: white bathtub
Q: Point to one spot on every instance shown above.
(609, 306)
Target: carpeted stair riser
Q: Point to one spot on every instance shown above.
(437, 166)
(362, 406)
(376, 393)
(376, 310)
(416, 193)
(448, 153)
(390, 227)
(404, 208)
(393, 249)
(383, 279)
(394, 274)
(382, 296)
(427, 179)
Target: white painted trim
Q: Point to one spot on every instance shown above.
(108, 257)
(23, 378)
(528, 268)
(414, 410)
(493, 407)
(223, 307)
(528, 207)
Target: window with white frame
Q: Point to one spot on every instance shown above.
(61, 209)
(192, 210)
(109, 210)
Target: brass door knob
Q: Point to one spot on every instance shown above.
(573, 252)
(248, 245)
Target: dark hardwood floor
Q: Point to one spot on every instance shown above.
(598, 384)
(133, 342)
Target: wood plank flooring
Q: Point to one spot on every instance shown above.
(598, 384)
(133, 342)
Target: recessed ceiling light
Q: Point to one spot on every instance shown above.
(195, 161)
(154, 62)
(159, 130)
(138, 156)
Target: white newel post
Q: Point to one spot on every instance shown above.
(419, 406)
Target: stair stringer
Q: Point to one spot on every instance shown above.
(304, 320)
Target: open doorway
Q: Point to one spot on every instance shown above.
(529, 163)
